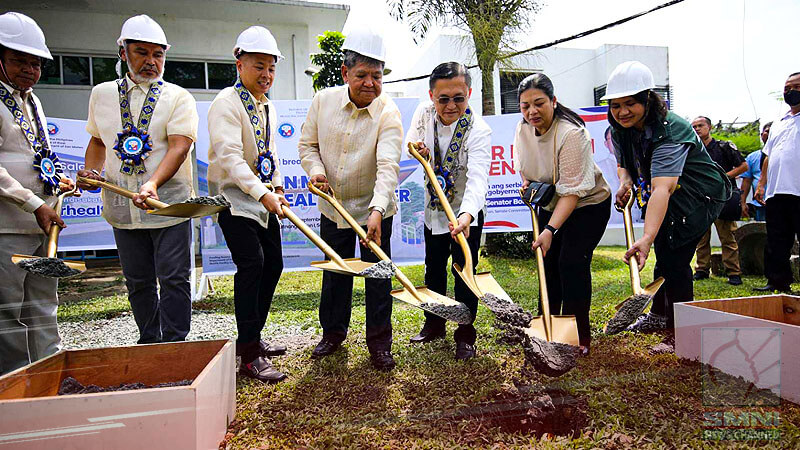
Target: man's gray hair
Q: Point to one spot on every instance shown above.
(351, 59)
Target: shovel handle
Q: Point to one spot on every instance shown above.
(52, 235)
(374, 247)
(448, 210)
(636, 282)
(151, 202)
(548, 321)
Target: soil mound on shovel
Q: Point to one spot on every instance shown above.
(71, 386)
(48, 267)
(550, 358)
(458, 313)
(216, 200)
(381, 270)
(628, 313)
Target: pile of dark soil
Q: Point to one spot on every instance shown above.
(628, 313)
(48, 267)
(71, 386)
(458, 313)
(381, 270)
(216, 200)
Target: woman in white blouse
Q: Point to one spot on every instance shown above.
(552, 146)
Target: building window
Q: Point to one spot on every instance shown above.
(76, 70)
(51, 71)
(664, 91)
(103, 69)
(509, 81)
(221, 76)
(189, 75)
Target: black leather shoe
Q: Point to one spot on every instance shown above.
(700, 275)
(734, 280)
(261, 369)
(325, 348)
(268, 349)
(382, 361)
(464, 351)
(428, 335)
(769, 287)
(583, 350)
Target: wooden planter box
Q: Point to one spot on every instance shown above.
(33, 416)
(753, 337)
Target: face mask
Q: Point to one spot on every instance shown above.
(792, 98)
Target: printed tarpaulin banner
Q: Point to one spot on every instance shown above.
(87, 230)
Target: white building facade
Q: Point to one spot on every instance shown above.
(82, 37)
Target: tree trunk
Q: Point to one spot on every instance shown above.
(487, 90)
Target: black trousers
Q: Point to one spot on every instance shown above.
(256, 251)
(438, 250)
(783, 226)
(163, 313)
(337, 290)
(568, 263)
(675, 265)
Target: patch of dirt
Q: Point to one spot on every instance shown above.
(71, 386)
(98, 281)
(538, 412)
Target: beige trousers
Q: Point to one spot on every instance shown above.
(730, 249)
(28, 304)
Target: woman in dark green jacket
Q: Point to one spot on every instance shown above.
(682, 189)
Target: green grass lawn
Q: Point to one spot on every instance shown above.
(627, 398)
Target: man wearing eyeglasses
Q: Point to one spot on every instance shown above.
(459, 144)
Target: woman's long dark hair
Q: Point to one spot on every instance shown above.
(655, 108)
(542, 82)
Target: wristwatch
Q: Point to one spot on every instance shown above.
(552, 229)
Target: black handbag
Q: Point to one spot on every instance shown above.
(733, 207)
(540, 193)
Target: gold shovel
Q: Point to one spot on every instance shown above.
(421, 297)
(481, 283)
(548, 327)
(641, 296)
(186, 209)
(50, 266)
(349, 266)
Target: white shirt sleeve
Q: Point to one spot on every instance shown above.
(479, 144)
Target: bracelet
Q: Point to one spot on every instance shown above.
(552, 229)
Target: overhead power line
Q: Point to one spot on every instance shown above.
(559, 41)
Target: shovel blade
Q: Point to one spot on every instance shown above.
(653, 287)
(355, 267)
(565, 329)
(189, 210)
(488, 285)
(76, 265)
(435, 303)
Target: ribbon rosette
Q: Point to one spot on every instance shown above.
(49, 167)
(265, 167)
(445, 179)
(132, 148)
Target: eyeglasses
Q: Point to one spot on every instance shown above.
(446, 100)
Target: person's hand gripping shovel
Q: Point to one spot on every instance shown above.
(50, 266)
(421, 297)
(483, 285)
(632, 307)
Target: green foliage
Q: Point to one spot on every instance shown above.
(747, 138)
(329, 60)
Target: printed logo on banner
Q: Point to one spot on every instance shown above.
(52, 129)
(286, 130)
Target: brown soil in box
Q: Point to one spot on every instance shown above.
(71, 386)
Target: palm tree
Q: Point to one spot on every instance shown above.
(492, 24)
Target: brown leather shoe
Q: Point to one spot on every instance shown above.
(261, 369)
(268, 349)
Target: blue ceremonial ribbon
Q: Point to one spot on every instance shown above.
(443, 167)
(265, 163)
(44, 160)
(134, 144)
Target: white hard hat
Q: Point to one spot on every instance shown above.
(257, 39)
(628, 78)
(367, 42)
(20, 32)
(142, 28)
